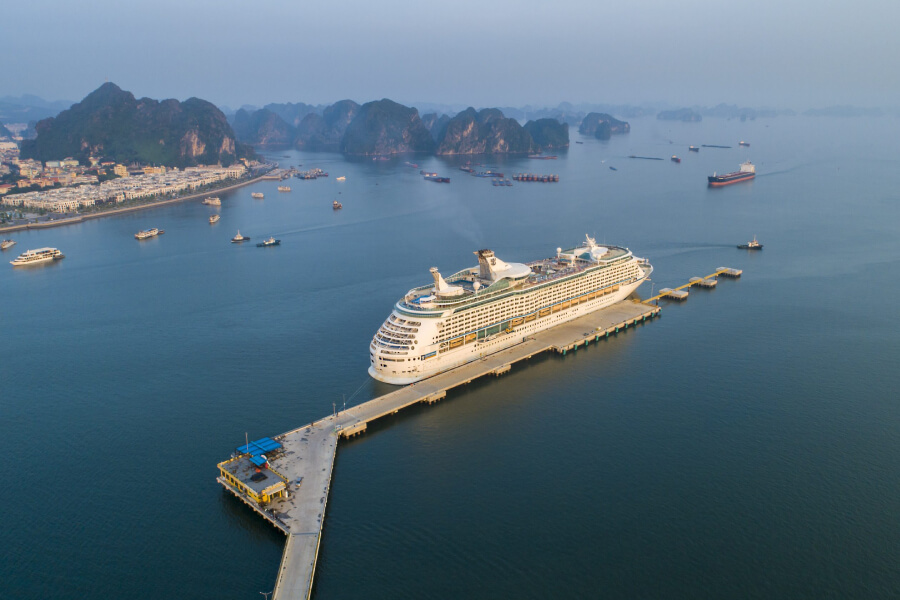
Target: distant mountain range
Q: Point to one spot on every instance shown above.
(29, 109)
(387, 127)
(112, 124)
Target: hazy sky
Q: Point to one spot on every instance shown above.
(780, 53)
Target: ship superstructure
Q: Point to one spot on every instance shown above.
(484, 309)
(33, 257)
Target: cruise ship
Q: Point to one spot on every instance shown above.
(485, 309)
(33, 257)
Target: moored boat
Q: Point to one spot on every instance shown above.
(34, 257)
(239, 238)
(436, 178)
(489, 307)
(269, 242)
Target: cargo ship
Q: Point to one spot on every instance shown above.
(496, 304)
(747, 172)
(436, 178)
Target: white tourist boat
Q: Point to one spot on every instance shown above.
(34, 257)
(7, 244)
(485, 309)
(148, 233)
(258, 195)
(214, 219)
(212, 201)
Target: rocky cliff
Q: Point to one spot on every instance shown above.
(262, 128)
(436, 125)
(386, 127)
(548, 133)
(484, 132)
(602, 126)
(111, 123)
(324, 133)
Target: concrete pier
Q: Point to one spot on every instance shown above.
(306, 461)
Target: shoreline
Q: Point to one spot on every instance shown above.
(119, 211)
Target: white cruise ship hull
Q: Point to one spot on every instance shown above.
(477, 350)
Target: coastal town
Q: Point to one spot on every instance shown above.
(39, 192)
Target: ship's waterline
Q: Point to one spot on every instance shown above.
(485, 309)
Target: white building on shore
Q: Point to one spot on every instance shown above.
(128, 188)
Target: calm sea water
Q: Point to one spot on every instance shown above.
(747, 444)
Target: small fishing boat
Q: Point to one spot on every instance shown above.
(213, 219)
(337, 205)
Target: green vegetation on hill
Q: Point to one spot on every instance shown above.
(111, 123)
(548, 133)
(485, 132)
(263, 128)
(602, 126)
(386, 127)
(324, 132)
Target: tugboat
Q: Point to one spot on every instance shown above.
(337, 205)
(213, 219)
(7, 244)
(751, 245)
(675, 159)
(269, 242)
(239, 238)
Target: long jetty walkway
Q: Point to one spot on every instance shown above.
(295, 503)
(306, 459)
